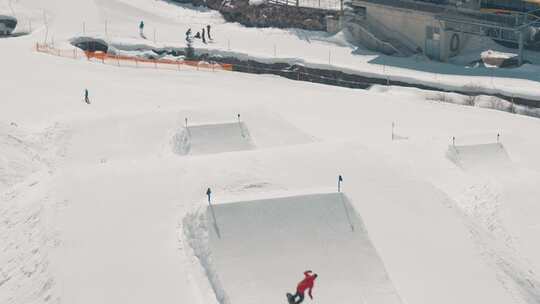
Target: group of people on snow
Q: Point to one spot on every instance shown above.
(203, 34)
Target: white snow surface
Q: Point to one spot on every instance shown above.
(95, 199)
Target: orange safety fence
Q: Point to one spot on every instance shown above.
(133, 61)
(46, 48)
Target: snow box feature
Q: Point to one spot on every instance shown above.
(256, 251)
(212, 138)
(486, 158)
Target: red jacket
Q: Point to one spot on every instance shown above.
(306, 283)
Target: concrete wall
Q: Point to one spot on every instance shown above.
(333, 24)
(370, 41)
(410, 24)
(410, 27)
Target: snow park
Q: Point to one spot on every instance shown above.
(269, 151)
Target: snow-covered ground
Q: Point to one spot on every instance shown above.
(95, 198)
(166, 23)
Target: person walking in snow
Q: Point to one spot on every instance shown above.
(305, 284)
(188, 35)
(141, 29)
(208, 32)
(203, 38)
(86, 98)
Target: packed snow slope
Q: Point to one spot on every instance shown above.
(93, 197)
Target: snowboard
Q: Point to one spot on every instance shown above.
(290, 298)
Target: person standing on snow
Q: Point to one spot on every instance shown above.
(306, 283)
(86, 99)
(141, 29)
(188, 35)
(203, 38)
(208, 32)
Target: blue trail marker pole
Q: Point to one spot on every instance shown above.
(209, 194)
(240, 126)
(340, 180)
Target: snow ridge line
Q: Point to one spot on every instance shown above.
(195, 233)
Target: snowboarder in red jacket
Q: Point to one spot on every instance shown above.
(306, 283)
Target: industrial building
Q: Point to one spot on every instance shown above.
(439, 29)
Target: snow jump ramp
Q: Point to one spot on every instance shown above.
(486, 158)
(212, 138)
(256, 251)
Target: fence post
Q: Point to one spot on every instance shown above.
(329, 53)
(46, 26)
(513, 105)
